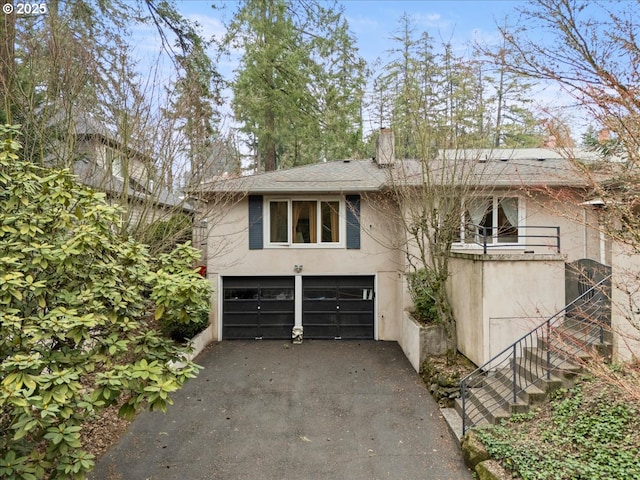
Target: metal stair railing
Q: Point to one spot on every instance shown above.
(525, 368)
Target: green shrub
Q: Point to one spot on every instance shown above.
(165, 235)
(181, 332)
(585, 438)
(180, 311)
(421, 289)
(76, 310)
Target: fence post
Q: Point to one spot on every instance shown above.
(514, 373)
(484, 240)
(549, 349)
(463, 392)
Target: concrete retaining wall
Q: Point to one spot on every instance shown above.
(419, 341)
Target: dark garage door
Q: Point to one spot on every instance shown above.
(337, 307)
(257, 307)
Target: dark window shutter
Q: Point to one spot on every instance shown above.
(255, 222)
(353, 221)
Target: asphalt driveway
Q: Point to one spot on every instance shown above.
(273, 410)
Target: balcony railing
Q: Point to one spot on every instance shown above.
(512, 237)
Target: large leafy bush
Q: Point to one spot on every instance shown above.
(177, 293)
(77, 307)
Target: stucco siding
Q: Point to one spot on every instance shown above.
(229, 254)
(625, 293)
(466, 294)
(496, 299)
(578, 224)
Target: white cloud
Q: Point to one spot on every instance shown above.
(210, 26)
(430, 20)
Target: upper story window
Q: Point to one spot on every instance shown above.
(115, 163)
(496, 218)
(304, 222)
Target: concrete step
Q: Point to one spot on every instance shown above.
(491, 402)
(475, 416)
(562, 372)
(599, 333)
(492, 399)
(527, 386)
(580, 341)
(454, 422)
(537, 373)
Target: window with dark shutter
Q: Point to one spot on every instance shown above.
(255, 222)
(353, 221)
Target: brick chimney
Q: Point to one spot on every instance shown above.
(551, 142)
(604, 135)
(385, 148)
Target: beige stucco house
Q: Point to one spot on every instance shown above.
(317, 251)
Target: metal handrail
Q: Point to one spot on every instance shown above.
(482, 233)
(533, 369)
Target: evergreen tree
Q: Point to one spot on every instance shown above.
(298, 90)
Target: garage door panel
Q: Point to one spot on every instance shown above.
(356, 332)
(240, 333)
(338, 307)
(258, 307)
(278, 332)
(320, 333)
(284, 306)
(239, 318)
(275, 318)
(234, 306)
(320, 306)
(319, 318)
(356, 306)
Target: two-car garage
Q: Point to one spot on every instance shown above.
(331, 307)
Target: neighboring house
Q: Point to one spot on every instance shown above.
(124, 174)
(319, 248)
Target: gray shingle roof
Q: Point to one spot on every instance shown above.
(503, 168)
(90, 174)
(339, 176)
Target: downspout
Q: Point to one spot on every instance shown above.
(585, 234)
(603, 256)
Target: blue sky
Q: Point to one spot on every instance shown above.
(455, 21)
(374, 21)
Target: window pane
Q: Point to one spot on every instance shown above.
(479, 220)
(304, 215)
(330, 221)
(279, 218)
(348, 293)
(116, 165)
(249, 293)
(276, 293)
(508, 220)
(320, 293)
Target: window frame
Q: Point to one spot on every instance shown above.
(342, 224)
(495, 199)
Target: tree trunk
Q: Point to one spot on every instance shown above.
(7, 60)
(270, 142)
(445, 314)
